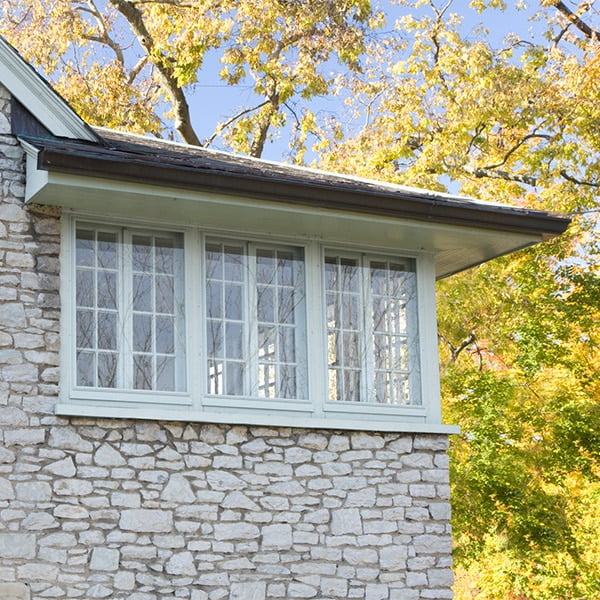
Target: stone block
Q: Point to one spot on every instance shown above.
(301, 590)
(104, 559)
(236, 531)
(17, 545)
(14, 591)
(248, 590)
(345, 521)
(146, 520)
(181, 563)
(276, 537)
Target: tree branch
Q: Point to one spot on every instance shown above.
(575, 19)
(181, 108)
(220, 128)
(480, 172)
(578, 181)
(529, 136)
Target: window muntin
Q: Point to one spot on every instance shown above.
(372, 332)
(249, 336)
(255, 320)
(129, 309)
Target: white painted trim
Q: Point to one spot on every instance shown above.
(269, 420)
(38, 97)
(196, 400)
(428, 338)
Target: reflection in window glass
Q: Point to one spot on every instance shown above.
(129, 309)
(255, 307)
(372, 341)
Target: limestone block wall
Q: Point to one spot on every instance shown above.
(98, 508)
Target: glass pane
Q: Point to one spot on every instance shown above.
(165, 335)
(214, 261)
(142, 333)
(165, 294)
(165, 373)
(142, 253)
(265, 266)
(85, 287)
(350, 279)
(85, 248)
(266, 343)
(378, 278)
(234, 340)
(287, 344)
(266, 304)
(351, 386)
(266, 381)
(286, 305)
(165, 255)
(234, 263)
(214, 300)
(350, 349)
(379, 314)
(214, 332)
(334, 390)
(380, 351)
(381, 386)
(285, 268)
(85, 329)
(142, 292)
(107, 289)
(107, 250)
(234, 378)
(233, 301)
(107, 369)
(107, 330)
(331, 271)
(142, 366)
(350, 312)
(215, 377)
(332, 348)
(288, 381)
(86, 368)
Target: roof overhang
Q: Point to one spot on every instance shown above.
(460, 233)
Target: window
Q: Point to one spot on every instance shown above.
(129, 309)
(190, 320)
(255, 323)
(372, 338)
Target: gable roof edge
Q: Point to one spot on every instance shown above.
(39, 98)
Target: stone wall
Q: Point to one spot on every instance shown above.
(94, 508)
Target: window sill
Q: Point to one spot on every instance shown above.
(356, 423)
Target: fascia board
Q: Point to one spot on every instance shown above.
(455, 247)
(28, 87)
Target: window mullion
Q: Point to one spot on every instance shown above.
(317, 368)
(251, 319)
(126, 310)
(368, 358)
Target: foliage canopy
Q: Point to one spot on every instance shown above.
(431, 102)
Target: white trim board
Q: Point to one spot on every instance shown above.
(38, 97)
(273, 420)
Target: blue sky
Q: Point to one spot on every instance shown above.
(212, 101)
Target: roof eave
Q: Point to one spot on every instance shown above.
(308, 193)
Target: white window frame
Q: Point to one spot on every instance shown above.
(195, 404)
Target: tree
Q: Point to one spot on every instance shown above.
(123, 63)
(435, 104)
(519, 337)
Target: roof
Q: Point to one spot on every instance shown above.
(71, 164)
(147, 160)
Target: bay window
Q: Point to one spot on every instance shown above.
(216, 324)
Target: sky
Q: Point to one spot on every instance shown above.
(212, 101)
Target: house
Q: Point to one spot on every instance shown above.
(218, 375)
